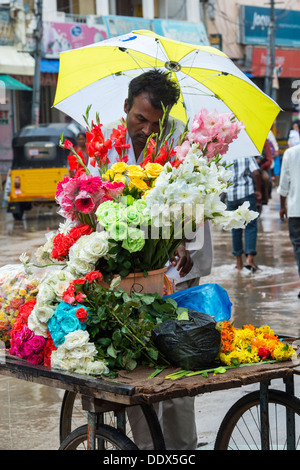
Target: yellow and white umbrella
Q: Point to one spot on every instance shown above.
(99, 75)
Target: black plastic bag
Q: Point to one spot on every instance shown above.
(190, 345)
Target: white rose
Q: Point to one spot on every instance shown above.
(43, 312)
(98, 245)
(97, 368)
(79, 267)
(76, 339)
(36, 326)
(46, 294)
(60, 288)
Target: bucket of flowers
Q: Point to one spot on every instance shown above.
(124, 224)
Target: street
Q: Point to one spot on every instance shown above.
(29, 413)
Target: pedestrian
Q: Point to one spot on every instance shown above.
(246, 184)
(82, 151)
(265, 162)
(143, 109)
(294, 135)
(289, 190)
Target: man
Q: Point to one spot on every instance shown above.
(246, 184)
(289, 190)
(143, 108)
(144, 111)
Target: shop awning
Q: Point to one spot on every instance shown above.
(15, 62)
(49, 65)
(12, 84)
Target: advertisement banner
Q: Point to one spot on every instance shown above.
(60, 37)
(286, 60)
(118, 25)
(255, 21)
(193, 33)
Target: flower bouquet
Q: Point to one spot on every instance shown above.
(130, 218)
(16, 288)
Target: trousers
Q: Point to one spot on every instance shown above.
(176, 416)
(294, 231)
(250, 231)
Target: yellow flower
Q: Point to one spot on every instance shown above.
(109, 175)
(22, 292)
(264, 330)
(139, 184)
(153, 170)
(135, 171)
(119, 167)
(119, 178)
(284, 352)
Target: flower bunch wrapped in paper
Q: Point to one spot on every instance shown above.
(130, 218)
(16, 288)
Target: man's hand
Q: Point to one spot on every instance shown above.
(184, 262)
(283, 213)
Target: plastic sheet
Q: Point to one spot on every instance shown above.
(207, 298)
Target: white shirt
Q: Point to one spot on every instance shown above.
(202, 258)
(289, 184)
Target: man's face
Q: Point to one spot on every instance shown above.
(142, 121)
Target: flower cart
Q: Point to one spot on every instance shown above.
(100, 395)
(101, 320)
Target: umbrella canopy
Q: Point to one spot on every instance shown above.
(99, 75)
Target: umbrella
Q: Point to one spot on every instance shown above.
(99, 75)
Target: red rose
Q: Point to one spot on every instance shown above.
(82, 314)
(264, 353)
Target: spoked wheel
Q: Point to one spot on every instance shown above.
(106, 438)
(241, 427)
(72, 417)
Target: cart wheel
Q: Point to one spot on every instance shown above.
(106, 438)
(241, 428)
(72, 416)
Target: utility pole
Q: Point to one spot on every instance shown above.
(270, 64)
(35, 108)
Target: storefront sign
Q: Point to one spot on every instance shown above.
(255, 21)
(287, 59)
(193, 33)
(118, 25)
(59, 37)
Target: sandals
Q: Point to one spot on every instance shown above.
(252, 268)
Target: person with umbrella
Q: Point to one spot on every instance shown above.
(143, 107)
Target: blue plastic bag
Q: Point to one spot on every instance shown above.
(206, 298)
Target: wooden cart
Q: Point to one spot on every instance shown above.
(100, 396)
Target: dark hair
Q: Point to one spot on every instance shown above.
(81, 133)
(158, 84)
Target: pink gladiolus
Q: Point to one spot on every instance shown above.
(214, 132)
(182, 150)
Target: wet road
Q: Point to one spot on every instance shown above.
(29, 413)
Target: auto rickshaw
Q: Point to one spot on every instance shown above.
(39, 163)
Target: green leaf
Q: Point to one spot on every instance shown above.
(182, 314)
(148, 299)
(111, 351)
(104, 341)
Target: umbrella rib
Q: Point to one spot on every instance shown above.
(141, 60)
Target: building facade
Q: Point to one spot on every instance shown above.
(240, 28)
